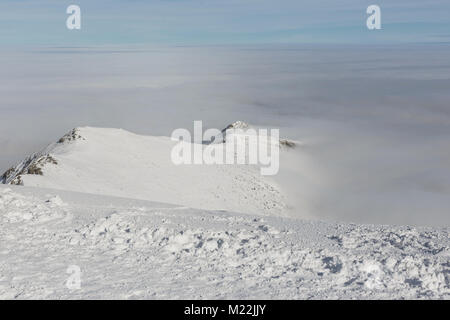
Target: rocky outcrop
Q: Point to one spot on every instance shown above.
(71, 136)
(34, 164)
(288, 144)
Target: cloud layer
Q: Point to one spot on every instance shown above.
(375, 120)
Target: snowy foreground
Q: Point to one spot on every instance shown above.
(140, 249)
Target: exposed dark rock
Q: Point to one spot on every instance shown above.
(71, 136)
(7, 174)
(32, 165)
(287, 143)
(17, 181)
(35, 163)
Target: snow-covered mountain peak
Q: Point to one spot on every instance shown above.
(120, 163)
(237, 125)
(244, 126)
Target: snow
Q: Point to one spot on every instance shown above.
(128, 248)
(120, 163)
(112, 205)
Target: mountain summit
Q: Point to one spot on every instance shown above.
(120, 163)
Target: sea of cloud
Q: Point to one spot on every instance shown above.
(374, 120)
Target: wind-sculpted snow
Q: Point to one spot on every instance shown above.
(138, 249)
(16, 208)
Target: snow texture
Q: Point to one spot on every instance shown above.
(138, 249)
(97, 201)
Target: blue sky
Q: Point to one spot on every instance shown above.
(218, 22)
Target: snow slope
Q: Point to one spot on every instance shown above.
(89, 200)
(129, 248)
(119, 163)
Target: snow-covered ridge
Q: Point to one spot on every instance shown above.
(119, 163)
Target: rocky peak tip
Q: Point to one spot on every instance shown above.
(237, 125)
(72, 135)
